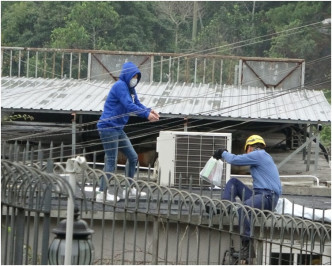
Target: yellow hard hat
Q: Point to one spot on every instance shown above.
(253, 140)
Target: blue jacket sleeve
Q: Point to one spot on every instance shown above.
(138, 103)
(129, 103)
(243, 159)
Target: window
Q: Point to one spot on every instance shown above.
(284, 259)
(288, 259)
(309, 259)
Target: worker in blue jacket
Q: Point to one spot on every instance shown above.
(266, 183)
(121, 102)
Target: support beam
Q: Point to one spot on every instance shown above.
(296, 151)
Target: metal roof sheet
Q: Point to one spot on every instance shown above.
(203, 100)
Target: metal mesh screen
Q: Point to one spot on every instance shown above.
(191, 154)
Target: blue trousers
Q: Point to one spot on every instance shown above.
(263, 199)
(112, 142)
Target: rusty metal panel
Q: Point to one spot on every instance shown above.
(108, 67)
(273, 74)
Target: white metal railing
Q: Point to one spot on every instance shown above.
(287, 176)
(160, 67)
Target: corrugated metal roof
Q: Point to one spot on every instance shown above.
(214, 101)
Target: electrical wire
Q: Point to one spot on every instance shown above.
(39, 89)
(200, 96)
(238, 107)
(296, 31)
(235, 47)
(273, 95)
(155, 132)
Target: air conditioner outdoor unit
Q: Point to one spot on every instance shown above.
(184, 154)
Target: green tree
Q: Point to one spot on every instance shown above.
(30, 23)
(73, 36)
(88, 26)
(17, 25)
(140, 28)
(176, 14)
(236, 24)
(300, 34)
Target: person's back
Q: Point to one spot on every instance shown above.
(266, 184)
(263, 170)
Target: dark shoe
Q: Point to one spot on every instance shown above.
(229, 210)
(210, 210)
(247, 250)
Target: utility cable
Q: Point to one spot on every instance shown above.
(296, 31)
(252, 120)
(224, 110)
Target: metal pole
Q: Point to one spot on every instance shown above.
(79, 66)
(155, 240)
(11, 63)
(303, 75)
(1, 61)
(151, 69)
(178, 70)
(19, 236)
(317, 148)
(36, 66)
(89, 67)
(170, 69)
(47, 216)
(73, 166)
(28, 58)
(73, 134)
(309, 150)
(236, 68)
(70, 64)
(19, 63)
(221, 68)
(240, 72)
(185, 126)
(62, 63)
(195, 71)
(161, 68)
(70, 222)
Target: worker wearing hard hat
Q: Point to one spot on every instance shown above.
(266, 182)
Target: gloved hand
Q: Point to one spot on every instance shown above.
(217, 154)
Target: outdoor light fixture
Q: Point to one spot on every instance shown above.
(82, 247)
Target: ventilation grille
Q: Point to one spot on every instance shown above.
(191, 154)
(182, 155)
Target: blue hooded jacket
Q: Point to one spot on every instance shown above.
(122, 101)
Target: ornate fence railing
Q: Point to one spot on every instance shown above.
(168, 226)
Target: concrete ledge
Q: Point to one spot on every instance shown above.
(303, 188)
(307, 191)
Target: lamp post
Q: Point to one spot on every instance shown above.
(72, 244)
(82, 247)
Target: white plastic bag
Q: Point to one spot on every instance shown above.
(212, 171)
(285, 206)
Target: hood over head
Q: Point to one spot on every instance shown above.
(129, 70)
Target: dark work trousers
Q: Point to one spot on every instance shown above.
(263, 199)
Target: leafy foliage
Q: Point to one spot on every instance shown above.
(257, 28)
(285, 29)
(18, 117)
(30, 23)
